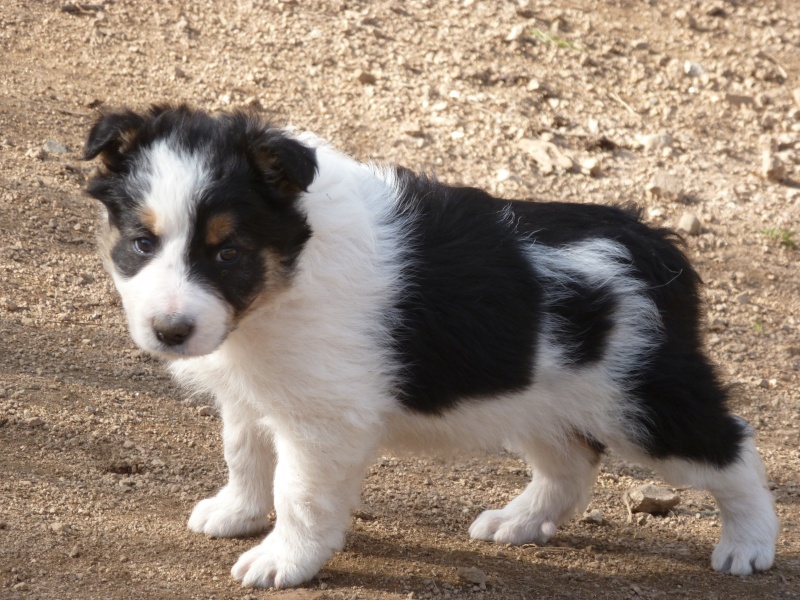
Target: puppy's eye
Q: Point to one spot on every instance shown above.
(144, 245)
(228, 255)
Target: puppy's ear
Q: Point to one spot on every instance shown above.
(290, 164)
(112, 136)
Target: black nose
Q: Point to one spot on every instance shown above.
(172, 330)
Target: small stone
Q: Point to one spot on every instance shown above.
(180, 73)
(665, 185)
(656, 141)
(549, 157)
(59, 527)
(739, 100)
(20, 587)
(206, 411)
(796, 96)
(515, 33)
(641, 518)
(590, 167)
(640, 44)
(366, 78)
(503, 175)
(412, 129)
(8, 304)
(75, 552)
(594, 516)
(54, 147)
(743, 298)
(651, 499)
(34, 422)
(693, 69)
(685, 18)
(772, 168)
(472, 575)
(689, 223)
(127, 444)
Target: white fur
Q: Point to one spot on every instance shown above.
(305, 383)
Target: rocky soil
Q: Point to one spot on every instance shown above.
(691, 109)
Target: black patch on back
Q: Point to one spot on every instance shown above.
(469, 316)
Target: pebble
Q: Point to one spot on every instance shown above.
(693, 69)
(651, 499)
(75, 552)
(772, 167)
(656, 141)
(796, 96)
(9, 304)
(54, 147)
(366, 78)
(472, 575)
(591, 167)
(127, 444)
(689, 223)
(685, 18)
(594, 516)
(59, 527)
(547, 155)
(665, 185)
(206, 411)
(739, 100)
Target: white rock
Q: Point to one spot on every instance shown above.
(656, 141)
(54, 147)
(665, 185)
(796, 95)
(689, 223)
(594, 516)
(693, 69)
(590, 166)
(503, 175)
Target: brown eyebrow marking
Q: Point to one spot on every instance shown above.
(219, 228)
(149, 218)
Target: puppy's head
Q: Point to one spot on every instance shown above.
(202, 219)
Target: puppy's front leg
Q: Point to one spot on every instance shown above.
(243, 505)
(317, 484)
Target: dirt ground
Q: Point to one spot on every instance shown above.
(682, 107)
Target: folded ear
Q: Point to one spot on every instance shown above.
(112, 136)
(286, 162)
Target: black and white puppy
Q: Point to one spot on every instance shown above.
(333, 307)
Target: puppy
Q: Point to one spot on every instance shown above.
(332, 307)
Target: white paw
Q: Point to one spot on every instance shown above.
(227, 515)
(742, 559)
(272, 564)
(510, 527)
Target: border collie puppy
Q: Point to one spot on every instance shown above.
(333, 307)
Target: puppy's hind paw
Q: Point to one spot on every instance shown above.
(742, 558)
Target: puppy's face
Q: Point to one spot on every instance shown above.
(203, 222)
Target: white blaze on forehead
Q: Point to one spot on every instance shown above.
(172, 179)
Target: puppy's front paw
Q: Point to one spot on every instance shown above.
(277, 565)
(228, 515)
(506, 526)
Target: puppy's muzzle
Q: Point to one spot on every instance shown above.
(173, 330)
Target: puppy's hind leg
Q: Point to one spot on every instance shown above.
(562, 479)
(749, 524)
(242, 506)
